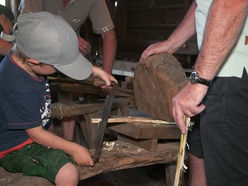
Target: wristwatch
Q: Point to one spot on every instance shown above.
(195, 78)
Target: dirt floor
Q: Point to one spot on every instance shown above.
(143, 176)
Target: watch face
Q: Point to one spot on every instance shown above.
(193, 77)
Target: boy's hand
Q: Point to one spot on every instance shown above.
(82, 157)
(104, 77)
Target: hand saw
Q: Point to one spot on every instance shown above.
(104, 120)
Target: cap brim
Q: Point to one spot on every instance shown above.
(80, 69)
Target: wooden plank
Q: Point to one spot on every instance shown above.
(147, 131)
(18, 179)
(121, 156)
(130, 119)
(89, 89)
(125, 155)
(147, 144)
(60, 110)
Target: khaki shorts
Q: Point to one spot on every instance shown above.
(36, 160)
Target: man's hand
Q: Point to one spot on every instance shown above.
(188, 103)
(84, 46)
(157, 48)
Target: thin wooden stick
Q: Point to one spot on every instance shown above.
(132, 120)
(181, 154)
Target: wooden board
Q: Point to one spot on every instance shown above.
(157, 80)
(147, 131)
(120, 156)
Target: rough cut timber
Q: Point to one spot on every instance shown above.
(157, 79)
(115, 156)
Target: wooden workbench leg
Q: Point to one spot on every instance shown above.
(85, 125)
(170, 170)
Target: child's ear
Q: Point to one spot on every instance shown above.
(31, 61)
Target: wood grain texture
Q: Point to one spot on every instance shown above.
(157, 80)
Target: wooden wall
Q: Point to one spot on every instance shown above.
(142, 22)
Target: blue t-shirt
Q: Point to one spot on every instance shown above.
(24, 104)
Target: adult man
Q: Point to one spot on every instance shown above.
(6, 24)
(75, 12)
(222, 30)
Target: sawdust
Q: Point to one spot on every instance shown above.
(109, 146)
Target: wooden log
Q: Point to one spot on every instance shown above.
(125, 155)
(157, 80)
(87, 89)
(18, 179)
(120, 156)
(60, 110)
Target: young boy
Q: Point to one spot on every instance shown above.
(44, 42)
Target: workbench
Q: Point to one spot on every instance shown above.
(116, 156)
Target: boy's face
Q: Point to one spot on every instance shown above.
(43, 69)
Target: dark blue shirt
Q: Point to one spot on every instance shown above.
(24, 103)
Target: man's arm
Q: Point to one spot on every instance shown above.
(225, 21)
(27, 6)
(109, 50)
(183, 32)
(4, 47)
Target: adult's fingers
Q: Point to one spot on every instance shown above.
(179, 119)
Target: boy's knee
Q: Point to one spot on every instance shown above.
(67, 174)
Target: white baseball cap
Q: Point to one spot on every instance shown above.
(50, 39)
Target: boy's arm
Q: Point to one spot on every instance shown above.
(80, 154)
(104, 76)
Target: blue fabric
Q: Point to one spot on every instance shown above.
(24, 104)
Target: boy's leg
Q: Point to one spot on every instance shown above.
(67, 175)
(37, 160)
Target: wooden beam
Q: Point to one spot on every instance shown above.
(147, 144)
(121, 156)
(147, 131)
(60, 110)
(130, 119)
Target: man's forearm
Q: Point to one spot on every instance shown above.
(4, 47)
(185, 29)
(225, 22)
(109, 50)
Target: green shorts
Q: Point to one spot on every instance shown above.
(36, 160)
